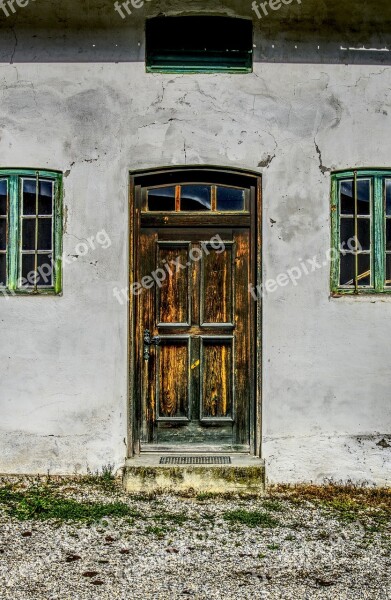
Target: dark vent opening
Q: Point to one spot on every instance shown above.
(199, 44)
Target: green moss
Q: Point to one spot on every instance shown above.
(248, 477)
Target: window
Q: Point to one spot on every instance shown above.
(190, 197)
(199, 44)
(30, 231)
(361, 231)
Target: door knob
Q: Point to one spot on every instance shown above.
(148, 342)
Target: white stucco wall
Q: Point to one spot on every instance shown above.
(63, 360)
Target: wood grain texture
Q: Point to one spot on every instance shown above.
(173, 369)
(217, 379)
(173, 291)
(217, 287)
(243, 354)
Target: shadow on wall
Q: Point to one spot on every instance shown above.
(309, 31)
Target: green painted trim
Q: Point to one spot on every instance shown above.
(195, 70)
(58, 233)
(14, 171)
(13, 208)
(334, 234)
(14, 177)
(378, 234)
(377, 177)
(361, 171)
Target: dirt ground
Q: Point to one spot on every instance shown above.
(87, 539)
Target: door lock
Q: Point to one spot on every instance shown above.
(148, 342)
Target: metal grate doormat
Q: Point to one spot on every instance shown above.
(195, 460)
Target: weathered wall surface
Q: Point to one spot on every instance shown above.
(63, 361)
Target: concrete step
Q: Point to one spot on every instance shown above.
(146, 473)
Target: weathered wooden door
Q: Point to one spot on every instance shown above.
(194, 325)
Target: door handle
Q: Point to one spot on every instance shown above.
(148, 342)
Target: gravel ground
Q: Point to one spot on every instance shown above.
(175, 547)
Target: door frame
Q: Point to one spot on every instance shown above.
(255, 179)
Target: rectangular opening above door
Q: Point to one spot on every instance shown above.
(194, 319)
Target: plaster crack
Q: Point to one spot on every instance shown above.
(322, 167)
(16, 44)
(77, 238)
(160, 98)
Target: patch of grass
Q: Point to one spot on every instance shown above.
(104, 478)
(145, 497)
(42, 502)
(203, 496)
(250, 518)
(208, 517)
(274, 505)
(177, 518)
(273, 546)
(160, 532)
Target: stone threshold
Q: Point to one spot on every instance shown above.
(145, 473)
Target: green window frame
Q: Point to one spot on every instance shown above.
(30, 232)
(361, 232)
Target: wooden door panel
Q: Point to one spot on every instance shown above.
(173, 292)
(217, 289)
(217, 371)
(173, 384)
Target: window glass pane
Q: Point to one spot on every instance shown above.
(43, 277)
(28, 234)
(3, 197)
(3, 270)
(45, 200)
(45, 197)
(388, 269)
(363, 197)
(195, 197)
(388, 234)
(347, 270)
(44, 234)
(29, 196)
(230, 199)
(45, 270)
(161, 199)
(3, 233)
(346, 276)
(364, 269)
(27, 271)
(388, 197)
(347, 236)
